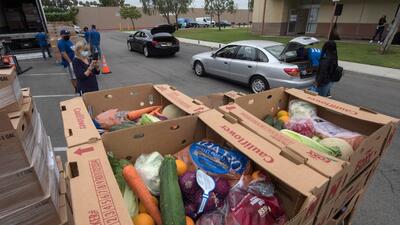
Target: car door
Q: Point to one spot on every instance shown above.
(220, 64)
(135, 44)
(244, 65)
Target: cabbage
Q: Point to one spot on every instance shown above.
(171, 112)
(299, 109)
(340, 145)
(131, 201)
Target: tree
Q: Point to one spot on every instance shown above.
(130, 12)
(112, 2)
(166, 7)
(250, 5)
(217, 7)
(60, 3)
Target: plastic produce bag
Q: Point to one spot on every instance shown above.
(110, 118)
(299, 109)
(301, 126)
(253, 202)
(148, 167)
(216, 217)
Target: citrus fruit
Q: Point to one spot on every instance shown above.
(284, 119)
(181, 167)
(189, 221)
(143, 219)
(282, 113)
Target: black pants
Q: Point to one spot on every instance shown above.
(380, 32)
(44, 48)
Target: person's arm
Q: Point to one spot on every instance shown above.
(64, 54)
(81, 70)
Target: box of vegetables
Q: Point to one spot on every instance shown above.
(336, 139)
(208, 169)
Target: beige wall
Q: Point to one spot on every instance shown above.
(109, 18)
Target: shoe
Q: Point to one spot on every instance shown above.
(329, 96)
(371, 41)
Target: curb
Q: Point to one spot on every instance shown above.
(376, 71)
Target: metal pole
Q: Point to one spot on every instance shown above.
(263, 18)
(389, 38)
(333, 17)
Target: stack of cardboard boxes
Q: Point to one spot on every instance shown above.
(314, 188)
(29, 176)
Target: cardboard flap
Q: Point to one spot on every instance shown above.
(234, 94)
(91, 178)
(78, 125)
(343, 108)
(181, 100)
(322, 162)
(264, 154)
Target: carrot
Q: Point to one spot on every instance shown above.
(136, 114)
(156, 111)
(137, 185)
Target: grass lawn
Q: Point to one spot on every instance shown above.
(348, 51)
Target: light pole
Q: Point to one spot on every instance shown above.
(333, 17)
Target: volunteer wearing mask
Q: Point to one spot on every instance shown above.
(66, 48)
(85, 70)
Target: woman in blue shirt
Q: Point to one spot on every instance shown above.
(85, 70)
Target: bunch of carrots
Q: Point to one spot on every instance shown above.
(152, 110)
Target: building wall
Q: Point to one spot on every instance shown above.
(109, 18)
(358, 19)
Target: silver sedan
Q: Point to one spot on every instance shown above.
(260, 64)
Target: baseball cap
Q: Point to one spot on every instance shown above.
(64, 32)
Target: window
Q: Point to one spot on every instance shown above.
(275, 50)
(227, 52)
(247, 53)
(261, 57)
(137, 34)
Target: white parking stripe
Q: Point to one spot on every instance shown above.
(60, 149)
(55, 96)
(43, 74)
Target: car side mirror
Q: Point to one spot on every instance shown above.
(131, 35)
(213, 55)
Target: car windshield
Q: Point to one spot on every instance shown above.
(275, 50)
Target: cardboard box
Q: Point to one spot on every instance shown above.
(215, 100)
(376, 127)
(10, 90)
(134, 97)
(299, 188)
(332, 168)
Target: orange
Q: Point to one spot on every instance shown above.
(282, 113)
(284, 119)
(181, 167)
(143, 219)
(142, 209)
(189, 221)
(256, 174)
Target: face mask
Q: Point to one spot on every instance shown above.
(66, 38)
(85, 53)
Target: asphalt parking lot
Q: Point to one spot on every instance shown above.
(50, 85)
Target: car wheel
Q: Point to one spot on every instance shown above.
(130, 47)
(146, 51)
(199, 69)
(258, 84)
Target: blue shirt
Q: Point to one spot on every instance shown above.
(87, 36)
(94, 37)
(42, 38)
(314, 55)
(67, 47)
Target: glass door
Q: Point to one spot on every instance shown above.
(312, 19)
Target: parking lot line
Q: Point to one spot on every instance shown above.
(55, 96)
(60, 149)
(43, 74)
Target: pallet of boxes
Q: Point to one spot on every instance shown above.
(54, 29)
(31, 184)
(311, 166)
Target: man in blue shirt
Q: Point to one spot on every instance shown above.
(44, 45)
(86, 33)
(95, 41)
(66, 48)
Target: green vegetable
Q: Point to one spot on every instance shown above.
(123, 125)
(311, 143)
(342, 146)
(279, 125)
(171, 203)
(131, 201)
(269, 120)
(117, 166)
(148, 119)
(171, 112)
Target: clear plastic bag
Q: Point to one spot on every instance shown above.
(148, 167)
(110, 118)
(299, 109)
(301, 126)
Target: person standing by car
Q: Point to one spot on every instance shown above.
(328, 66)
(379, 30)
(43, 43)
(85, 69)
(95, 41)
(66, 48)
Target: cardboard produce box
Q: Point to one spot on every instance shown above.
(215, 100)
(377, 129)
(129, 98)
(10, 90)
(90, 176)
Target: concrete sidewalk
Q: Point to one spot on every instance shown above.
(377, 71)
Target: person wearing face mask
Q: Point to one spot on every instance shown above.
(66, 48)
(85, 69)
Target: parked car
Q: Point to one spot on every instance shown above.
(224, 23)
(260, 64)
(157, 41)
(191, 23)
(182, 23)
(205, 21)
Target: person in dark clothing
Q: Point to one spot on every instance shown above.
(86, 33)
(43, 43)
(95, 41)
(327, 67)
(85, 70)
(379, 30)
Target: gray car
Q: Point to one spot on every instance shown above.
(260, 64)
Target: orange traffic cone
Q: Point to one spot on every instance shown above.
(104, 69)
